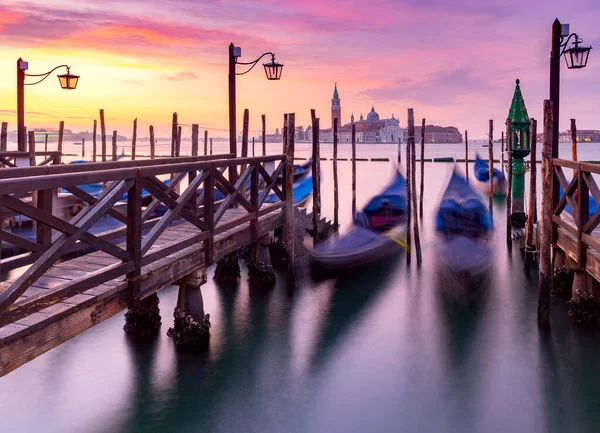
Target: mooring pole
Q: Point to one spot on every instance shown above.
(574, 142)
(336, 204)
(59, 147)
(103, 132)
(195, 139)
(545, 266)
(173, 134)
(4, 137)
(114, 146)
(134, 139)
(94, 150)
(264, 138)
(411, 135)
(83, 148)
(413, 186)
(152, 143)
(531, 212)
(467, 156)
(491, 158)
(509, 144)
(422, 171)
(289, 202)
(353, 169)
(205, 142)
(502, 147)
(316, 159)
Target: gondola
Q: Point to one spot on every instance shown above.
(378, 233)
(302, 192)
(481, 172)
(300, 171)
(464, 223)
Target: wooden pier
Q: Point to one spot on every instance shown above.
(51, 296)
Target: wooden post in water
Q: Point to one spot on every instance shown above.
(31, 140)
(467, 156)
(134, 139)
(195, 132)
(264, 139)
(289, 231)
(509, 139)
(316, 159)
(205, 142)
(353, 169)
(152, 143)
(4, 137)
(114, 146)
(94, 150)
(285, 127)
(545, 266)
(502, 147)
(211, 146)
(532, 210)
(82, 148)
(413, 185)
(411, 135)
(178, 143)
(491, 158)
(103, 132)
(399, 150)
(46, 143)
(173, 134)
(422, 173)
(253, 149)
(59, 147)
(244, 146)
(336, 204)
(574, 142)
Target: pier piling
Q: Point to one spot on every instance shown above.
(3, 136)
(530, 242)
(178, 143)
(353, 169)
(205, 141)
(94, 149)
(573, 142)
(134, 139)
(509, 142)
(211, 149)
(491, 157)
(195, 132)
(502, 149)
(545, 266)
(46, 143)
(336, 204)
(82, 147)
(59, 147)
(467, 155)
(114, 146)
(152, 143)
(173, 134)
(316, 170)
(422, 170)
(289, 231)
(103, 132)
(413, 185)
(411, 134)
(264, 138)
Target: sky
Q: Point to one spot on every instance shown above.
(454, 61)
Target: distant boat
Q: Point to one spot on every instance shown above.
(379, 233)
(464, 222)
(481, 172)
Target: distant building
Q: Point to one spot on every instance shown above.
(369, 130)
(583, 135)
(439, 134)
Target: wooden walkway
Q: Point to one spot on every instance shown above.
(50, 297)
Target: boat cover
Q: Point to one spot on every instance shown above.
(482, 171)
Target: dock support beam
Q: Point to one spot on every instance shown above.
(142, 321)
(191, 328)
(228, 269)
(260, 269)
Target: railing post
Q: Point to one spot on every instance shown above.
(195, 133)
(43, 232)
(134, 239)
(584, 214)
(289, 234)
(548, 177)
(61, 131)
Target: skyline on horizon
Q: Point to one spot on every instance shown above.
(455, 64)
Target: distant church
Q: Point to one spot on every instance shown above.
(371, 130)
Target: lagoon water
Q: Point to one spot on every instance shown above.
(382, 351)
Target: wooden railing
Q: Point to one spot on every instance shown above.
(9, 159)
(576, 194)
(195, 204)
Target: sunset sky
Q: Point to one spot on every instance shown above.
(454, 62)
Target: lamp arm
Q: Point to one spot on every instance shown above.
(45, 75)
(253, 63)
(563, 45)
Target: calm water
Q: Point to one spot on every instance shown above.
(384, 351)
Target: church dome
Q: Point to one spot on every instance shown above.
(372, 116)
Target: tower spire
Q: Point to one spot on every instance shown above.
(335, 92)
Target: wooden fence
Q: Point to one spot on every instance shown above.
(125, 181)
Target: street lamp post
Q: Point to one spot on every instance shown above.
(576, 57)
(67, 81)
(272, 71)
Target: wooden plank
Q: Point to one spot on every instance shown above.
(567, 243)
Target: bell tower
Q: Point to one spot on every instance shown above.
(336, 108)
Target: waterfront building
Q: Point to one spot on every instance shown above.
(439, 134)
(373, 129)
